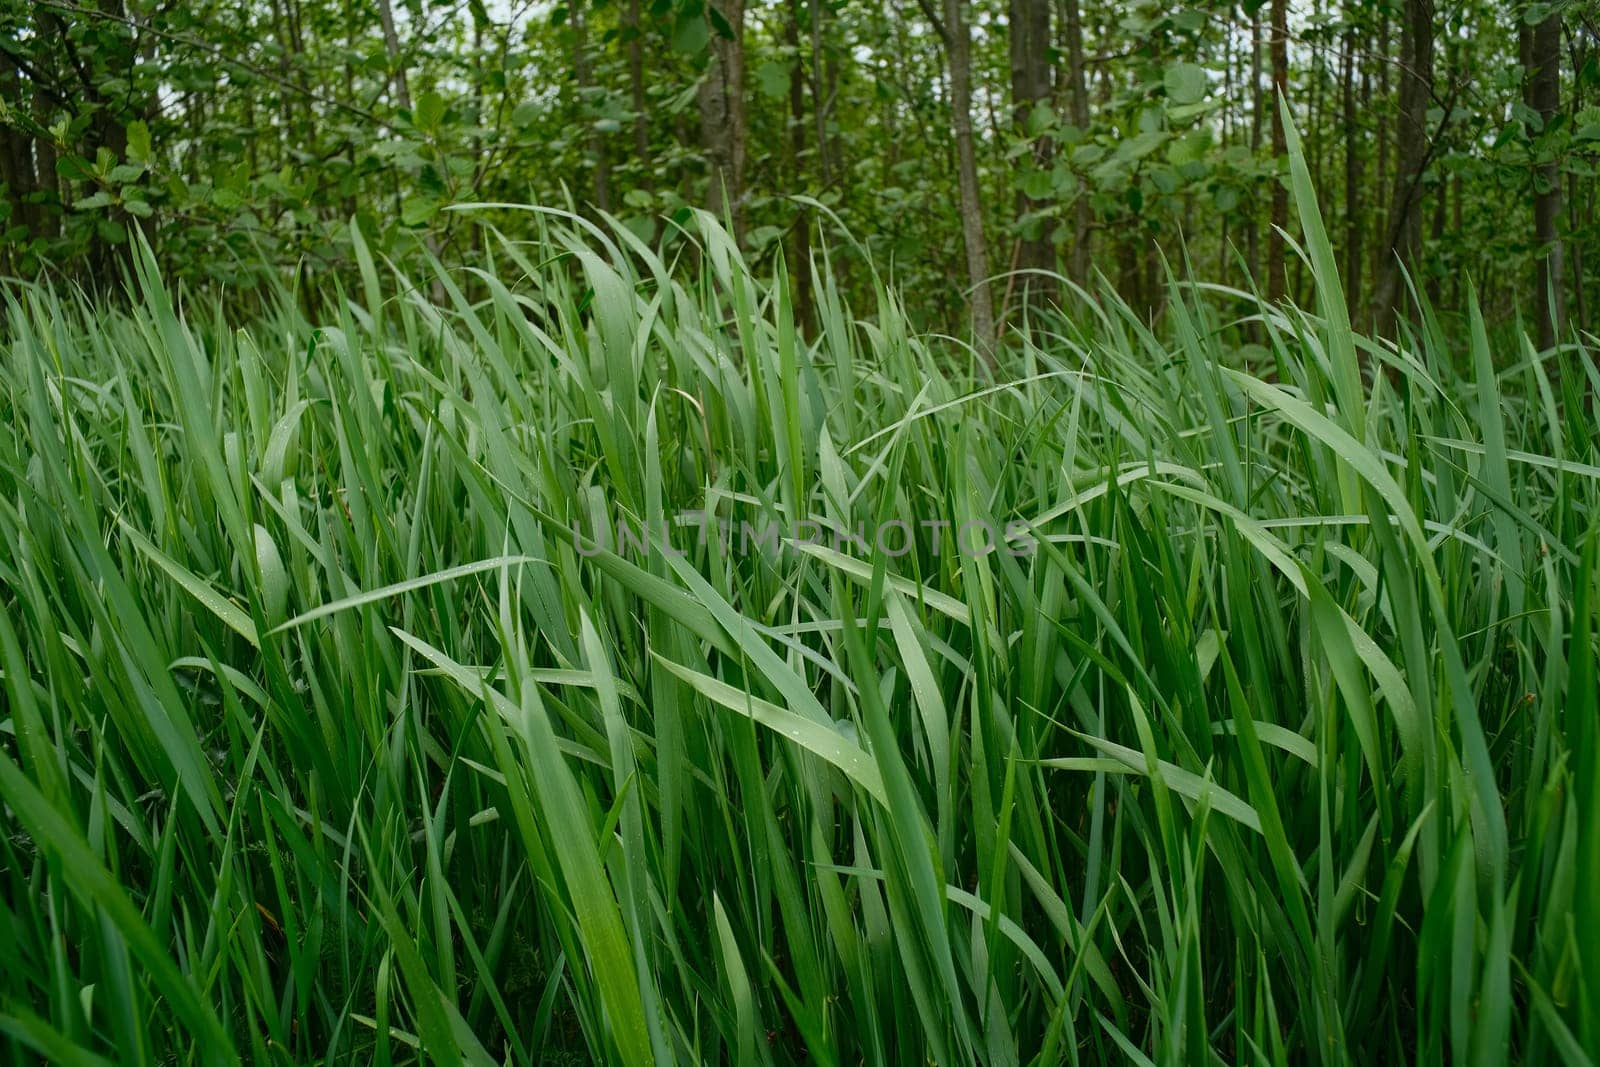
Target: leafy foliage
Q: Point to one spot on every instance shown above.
(328, 738)
(239, 139)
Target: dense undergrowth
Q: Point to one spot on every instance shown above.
(1269, 737)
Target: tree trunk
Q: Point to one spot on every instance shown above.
(819, 95)
(1258, 105)
(722, 124)
(1078, 95)
(1544, 97)
(801, 239)
(1441, 205)
(1576, 213)
(1404, 239)
(1280, 147)
(1456, 296)
(1352, 166)
(1030, 86)
(958, 53)
(17, 172)
(1380, 244)
(391, 44)
(959, 64)
(1130, 274)
(583, 70)
(1227, 127)
(641, 123)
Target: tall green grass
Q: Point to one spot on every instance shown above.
(326, 741)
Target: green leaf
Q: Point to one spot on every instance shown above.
(1185, 83)
(1038, 184)
(229, 613)
(825, 742)
(274, 578)
(1040, 119)
(1185, 112)
(772, 79)
(1142, 145)
(1180, 781)
(690, 33)
(374, 596)
(138, 142)
(74, 168)
(429, 111)
(418, 209)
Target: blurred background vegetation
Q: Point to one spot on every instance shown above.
(957, 140)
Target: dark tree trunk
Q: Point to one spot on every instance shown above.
(1030, 86)
(1576, 212)
(1078, 97)
(1280, 146)
(1544, 97)
(958, 52)
(1258, 105)
(1441, 206)
(1130, 274)
(722, 123)
(391, 45)
(17, 172)
(1380, 243)
(801, 239)
(1353, 228)
(1404, 239)
(820, 69)
(641, 122)
(583, 70)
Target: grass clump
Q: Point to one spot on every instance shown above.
(326, 739)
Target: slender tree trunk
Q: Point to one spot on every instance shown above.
(1314, 94)
(1438, 261)
(801, 239)
(1404, 240)
(12, 150)
(1258, 105)
(1441, 206)
(819, 96)
(958, 53)
(1319, 147)
(391, 44)
(641, 122)
(16, 171)
(1575, 204)
(583, 71)
(1280, 146)
(286, 53)
(1227, 125)
(1544, 97)
(1455, 224)
(352, 40)
(1130, 274)
(1078, 95)
(722, 122)
(1030, 86)
(47, 210)
(1380, 244)
(1353, 227)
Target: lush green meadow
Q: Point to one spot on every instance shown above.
(327, 740)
